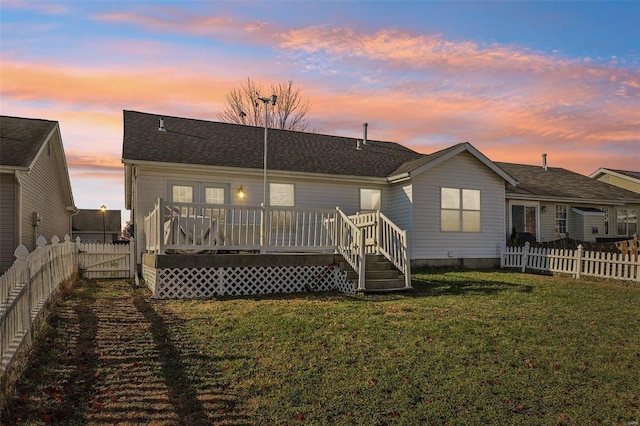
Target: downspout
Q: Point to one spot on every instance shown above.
(18, 203)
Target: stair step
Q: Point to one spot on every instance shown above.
(395, 283)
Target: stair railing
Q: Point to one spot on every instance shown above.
(350, 243)
(393, 243)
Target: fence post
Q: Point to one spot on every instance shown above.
(501, 250)
(578, 265)
(525, 255)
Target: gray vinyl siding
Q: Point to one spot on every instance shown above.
(401, 211)
(461, 171)
(43, 192)
(153, 182)
(8, 242)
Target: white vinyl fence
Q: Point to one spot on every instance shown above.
(26, 288)
(34, 278)
(578, 263)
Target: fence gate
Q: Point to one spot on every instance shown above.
(107, 260)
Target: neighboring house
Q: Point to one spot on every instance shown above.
(96, 226)
(451, 202)
(623, 178)
(35, 191)
(551, 203)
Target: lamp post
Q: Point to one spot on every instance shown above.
(266, 101)
(104, 228)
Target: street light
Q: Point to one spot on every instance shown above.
(266, 101)
(104, 228)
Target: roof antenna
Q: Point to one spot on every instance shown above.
(161, 125)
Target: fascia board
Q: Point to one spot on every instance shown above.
(568, 200)
(237, 171)
(602, 171)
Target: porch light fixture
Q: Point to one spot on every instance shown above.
(104, 228)
(241, 193)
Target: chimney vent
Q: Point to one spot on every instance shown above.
(364, 133)
(161, 125)
(544, 161)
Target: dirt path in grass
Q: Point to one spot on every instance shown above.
(110, 355)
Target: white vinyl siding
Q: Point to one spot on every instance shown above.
(43, 192)
(461, 171)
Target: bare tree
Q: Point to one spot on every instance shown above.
(242, 106)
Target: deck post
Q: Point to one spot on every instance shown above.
(407, 260)
(378, 231)
(362, 264)
(158, 225)
(263, 228)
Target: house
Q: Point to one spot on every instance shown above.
(96, 226)
(551, 203)
(35, 191)
(623, 178)
(451, 203)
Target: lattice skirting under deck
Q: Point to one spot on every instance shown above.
(195, 283)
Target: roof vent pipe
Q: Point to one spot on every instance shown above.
(161, 125)
(358, 144)
(544, 161)
(364, 133)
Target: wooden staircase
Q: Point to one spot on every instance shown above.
(380, 275)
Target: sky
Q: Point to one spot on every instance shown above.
(515, 79)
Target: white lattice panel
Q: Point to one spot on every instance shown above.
(183, 283)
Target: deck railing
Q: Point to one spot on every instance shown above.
(196, 227)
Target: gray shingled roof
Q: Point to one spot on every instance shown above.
(90, 220)
(629, 173)
(21, 139)
(535, 181)
(190, 141)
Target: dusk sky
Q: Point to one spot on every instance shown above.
(515, 79)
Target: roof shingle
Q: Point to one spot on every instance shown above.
(191, 141)
(21, 139)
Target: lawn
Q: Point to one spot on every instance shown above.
(462, 348)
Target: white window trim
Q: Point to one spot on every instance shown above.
(461, 210)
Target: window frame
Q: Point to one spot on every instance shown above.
(461, 210)
(370, 199)
(559, 220)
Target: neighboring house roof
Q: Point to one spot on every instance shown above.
(21, 139)
(630, 174)
(190, 141)
(90, 220)
(632, 177)
(557, 184)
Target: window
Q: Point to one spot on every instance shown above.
(627, 220)
(369, 199)
(460, 210)
(281, 194)
(182, 194)
(561, 219)
(214, 195)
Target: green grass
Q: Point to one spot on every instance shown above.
(462, 348)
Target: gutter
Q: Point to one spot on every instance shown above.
(570, 200)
